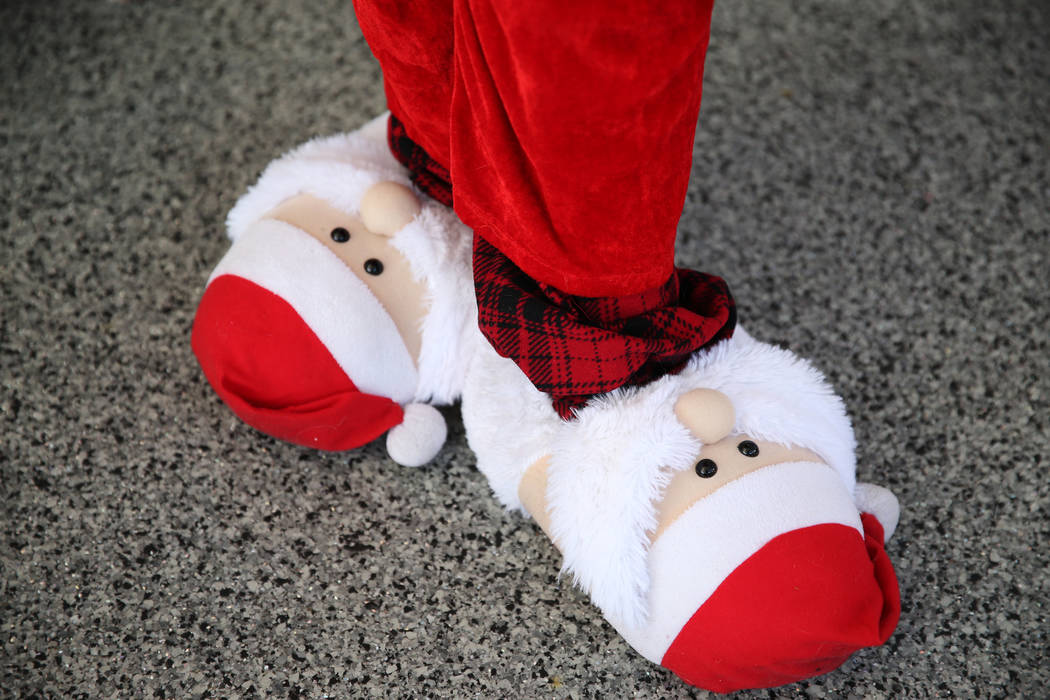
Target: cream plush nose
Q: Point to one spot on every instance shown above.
(707, 413)
(387, 207)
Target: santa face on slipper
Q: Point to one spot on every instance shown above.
(344, 307)
(713, 515)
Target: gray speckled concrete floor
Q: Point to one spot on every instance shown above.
(871, 178)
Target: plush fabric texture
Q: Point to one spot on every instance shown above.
(509, 423)
(881, 503)
(778, 396)
(587, 206)
(691, 559)
(437, 246)
(427, 174)
(417, 438)
(243, 332)
(340, 169)
(797, 608)
(578, 175)
(335, 312)
(785, 548)
(606, 471)
(413, 43)
(607, 465)
(575, 347)
(331, 300)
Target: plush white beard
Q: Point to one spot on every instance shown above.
(438, 249)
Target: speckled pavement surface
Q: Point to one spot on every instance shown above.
(870, 177)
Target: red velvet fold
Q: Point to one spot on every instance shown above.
(565, 132)
(567, 127)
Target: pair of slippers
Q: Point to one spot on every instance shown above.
(712, 515)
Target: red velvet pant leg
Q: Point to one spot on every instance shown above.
(412, 40)
(569, 139)
(572, 134)
(567, 126)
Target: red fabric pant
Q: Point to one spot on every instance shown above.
(566, 132)
(567, 127)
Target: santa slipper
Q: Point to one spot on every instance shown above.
(713, 515)
(342, 309)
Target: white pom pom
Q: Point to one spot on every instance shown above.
(881, 503)
(418, 438)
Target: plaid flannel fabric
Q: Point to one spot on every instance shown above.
(573, 347)
(427, 174)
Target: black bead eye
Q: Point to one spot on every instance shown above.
(373, 266)
(748, 448)
(706, 468)
(340, 235)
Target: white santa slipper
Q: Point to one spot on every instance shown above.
(712, 515)
(343, 308)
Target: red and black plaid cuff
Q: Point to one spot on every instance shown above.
(427, 174)
(573, 347)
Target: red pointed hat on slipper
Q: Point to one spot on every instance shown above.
(785, 580)
(299, 347)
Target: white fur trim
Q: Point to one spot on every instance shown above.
(338, 169)
(438, 249)
(321, 288)
(509, 424)
(778, 396)
(418, 438)
(607, 470)
(609, 466)
(625, 445)
(880, 502)
(692, 558)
